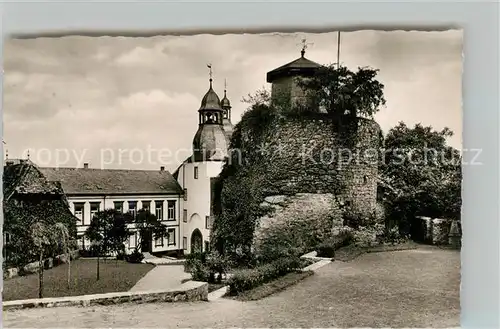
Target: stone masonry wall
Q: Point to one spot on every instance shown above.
(296, 221)
(190, 291)
(303, 157)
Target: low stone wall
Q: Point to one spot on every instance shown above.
(188, 292)
(33, 267)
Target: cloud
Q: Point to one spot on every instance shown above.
(87, 93)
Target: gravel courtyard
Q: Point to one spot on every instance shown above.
(412, 288)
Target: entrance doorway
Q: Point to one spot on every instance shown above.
(146, 241)
(196, 241)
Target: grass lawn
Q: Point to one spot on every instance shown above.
(115, 276)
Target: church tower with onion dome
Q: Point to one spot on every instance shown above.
(197, 174)
(210, 142)
(226, 107)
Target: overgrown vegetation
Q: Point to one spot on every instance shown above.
(420, 175)
(31, 201)
(246, 279)
(342, 92)
(208, 267)
(328, 247)
(239, 188)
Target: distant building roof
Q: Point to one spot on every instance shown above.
(300, 66)
(113, 181)
(23, 177)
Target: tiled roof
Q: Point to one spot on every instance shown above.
(26, 178)
(298, 66)
(112, 181)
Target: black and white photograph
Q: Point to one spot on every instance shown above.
(243, 180)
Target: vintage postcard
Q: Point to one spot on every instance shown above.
(236, 180)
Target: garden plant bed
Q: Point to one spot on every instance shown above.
(115, 276)
(348, 253)
(211, 286)
(272, 287)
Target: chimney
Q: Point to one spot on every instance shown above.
(162, 168)
(85, 165)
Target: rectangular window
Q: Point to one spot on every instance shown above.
(185, 216)
(146, 205)
(79, 212)
(118, 205)
(185, 194)
(132, 208)
(208, 222)
(159, 241)
(159, 210)
(184, 243)
(171, 210)
(195, 172)
(171, 236)
(94, 209)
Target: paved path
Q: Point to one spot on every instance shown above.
(162, 277)
(393, 289)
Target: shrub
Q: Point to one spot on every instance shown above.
(367, 236)
(120, 256)
(217, 264)
(207, 267)
(327, 248)
(247, 279)
(135, 257)
(393, 236)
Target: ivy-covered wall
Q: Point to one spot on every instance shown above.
(274, 155)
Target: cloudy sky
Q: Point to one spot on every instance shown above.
(100, 100)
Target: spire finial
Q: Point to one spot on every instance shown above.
(304, 46)
(225, 86)
(210, 73)
(28, 154)
(6, 154)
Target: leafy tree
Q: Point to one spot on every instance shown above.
(422, 173)
(66, 243)
(46, 238)
(108, 232)
(343, 92)
(147, 223)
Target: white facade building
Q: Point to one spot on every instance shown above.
(91, 190)
(182, 201)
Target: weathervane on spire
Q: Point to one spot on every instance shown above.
(304, 46)
(225, 84)
(210, 71)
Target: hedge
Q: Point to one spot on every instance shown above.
(247, 279)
